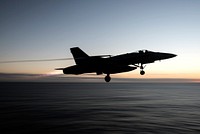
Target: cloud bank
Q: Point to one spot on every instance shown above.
(13, 77)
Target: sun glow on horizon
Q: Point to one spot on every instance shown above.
(54, 72)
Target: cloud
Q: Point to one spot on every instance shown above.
(18, 77)
(47, 77)
(52, 77)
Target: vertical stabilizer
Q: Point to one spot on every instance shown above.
(78, 55)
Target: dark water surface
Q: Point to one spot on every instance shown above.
(100, 108)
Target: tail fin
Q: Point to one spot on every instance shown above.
(78, 55)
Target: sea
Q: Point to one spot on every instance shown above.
(99, 108)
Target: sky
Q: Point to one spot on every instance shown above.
(45, 29)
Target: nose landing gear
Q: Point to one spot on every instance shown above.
(142, 72)
(107, 78)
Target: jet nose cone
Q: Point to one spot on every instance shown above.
(172, 55)
(167, 55)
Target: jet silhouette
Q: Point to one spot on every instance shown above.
(107, 64)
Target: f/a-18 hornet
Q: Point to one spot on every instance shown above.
(107, 64)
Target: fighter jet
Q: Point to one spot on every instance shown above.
(107, 64)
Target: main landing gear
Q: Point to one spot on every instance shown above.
(107, 78)
(142, 72)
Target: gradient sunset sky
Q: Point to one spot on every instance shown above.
(45, 29)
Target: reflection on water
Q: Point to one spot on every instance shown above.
(99, 108)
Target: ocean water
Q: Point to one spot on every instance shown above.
(100, 108)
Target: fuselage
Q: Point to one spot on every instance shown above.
(115, 64)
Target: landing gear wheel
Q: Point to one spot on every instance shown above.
(142, 72)
(107, 78)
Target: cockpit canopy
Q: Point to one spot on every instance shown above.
(143, 51)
